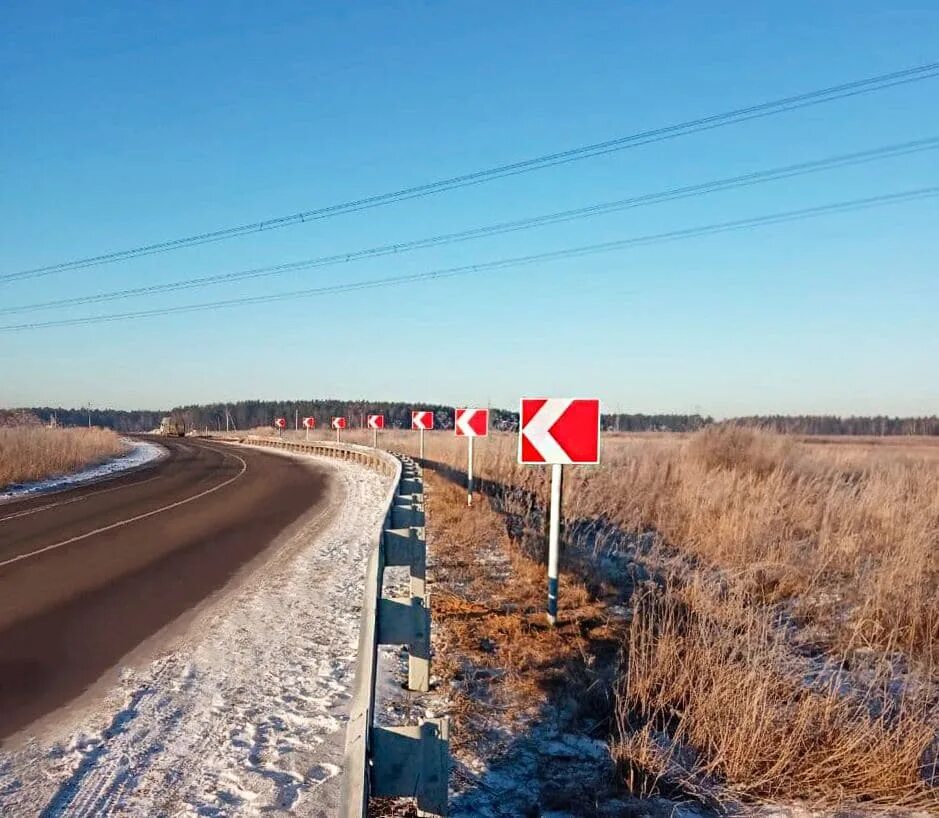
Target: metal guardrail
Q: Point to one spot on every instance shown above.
(400, 761)
(377, 459)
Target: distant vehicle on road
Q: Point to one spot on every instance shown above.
(173, 427)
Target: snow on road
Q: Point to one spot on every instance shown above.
(139, 454)
(246, 715)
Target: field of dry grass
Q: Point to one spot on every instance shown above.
(783, 643)
(34, 452)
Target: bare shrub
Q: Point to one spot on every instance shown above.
(737, 447)
(34, 452)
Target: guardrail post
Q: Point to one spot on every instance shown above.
(414, 763)
(411, 760)
(406, 546)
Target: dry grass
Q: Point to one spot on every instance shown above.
(507, 675)
(713, 699)
(493, 645)
(35, 452)
(788, 647)
(849, 535)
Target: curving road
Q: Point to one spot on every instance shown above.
(87, 574)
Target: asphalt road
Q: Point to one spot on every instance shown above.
(86, 575)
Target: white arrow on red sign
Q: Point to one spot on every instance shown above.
(309, 423)
(376, 422)
(471, 422)
(280, 423)
(559, 430)
(339, 423)
(422, 420)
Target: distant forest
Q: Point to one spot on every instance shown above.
(252, 413)
(121, 420)
(834, 425)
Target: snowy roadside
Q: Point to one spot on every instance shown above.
(245, 716)
(140, 453)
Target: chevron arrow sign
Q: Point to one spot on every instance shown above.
(559, 430)
(471, 422)
(339, 423)
(309, 423)
(376, 422)
(422, 420)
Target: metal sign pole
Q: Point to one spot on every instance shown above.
(338, 435)
(469, 472)
(554, 531)
(375, 438)
(307, 432)
(422, 443)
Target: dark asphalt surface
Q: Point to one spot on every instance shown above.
(82, 582)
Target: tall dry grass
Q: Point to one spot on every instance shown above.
(712, 699)
(35, 452)
(789, 646)
(849, 536)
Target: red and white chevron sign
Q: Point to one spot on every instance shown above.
(338, 423)
(422, 420)
(376, 422)
(559, 430)
(309, 423)
(280, 423)
(471, 422)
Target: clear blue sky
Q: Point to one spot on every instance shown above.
(126, 123)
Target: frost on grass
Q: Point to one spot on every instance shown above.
(531, 712)
(521, 739)
(139, 453)
(246, 717)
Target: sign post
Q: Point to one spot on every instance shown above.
(309, 423)
(376, 423)
(554, 537)
(339, 424)
(558, 431)
(280, 424)
(470, 423)
(421, 420)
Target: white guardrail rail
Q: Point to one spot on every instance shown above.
(389, 761)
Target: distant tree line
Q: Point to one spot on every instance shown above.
(253, 413)
(121, 420)
(654, 423)
(834, 425)
(249, 414)
(18, 417)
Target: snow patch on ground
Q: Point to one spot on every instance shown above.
(140, 453)
(248, 716)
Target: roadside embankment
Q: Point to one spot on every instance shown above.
(749, 622)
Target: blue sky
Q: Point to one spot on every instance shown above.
(135, 122)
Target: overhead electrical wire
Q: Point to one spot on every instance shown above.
(764, 109)
(518, 261)
(671, 194)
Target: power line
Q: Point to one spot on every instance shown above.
(764, 109)
(717, 185)
(518, 261)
